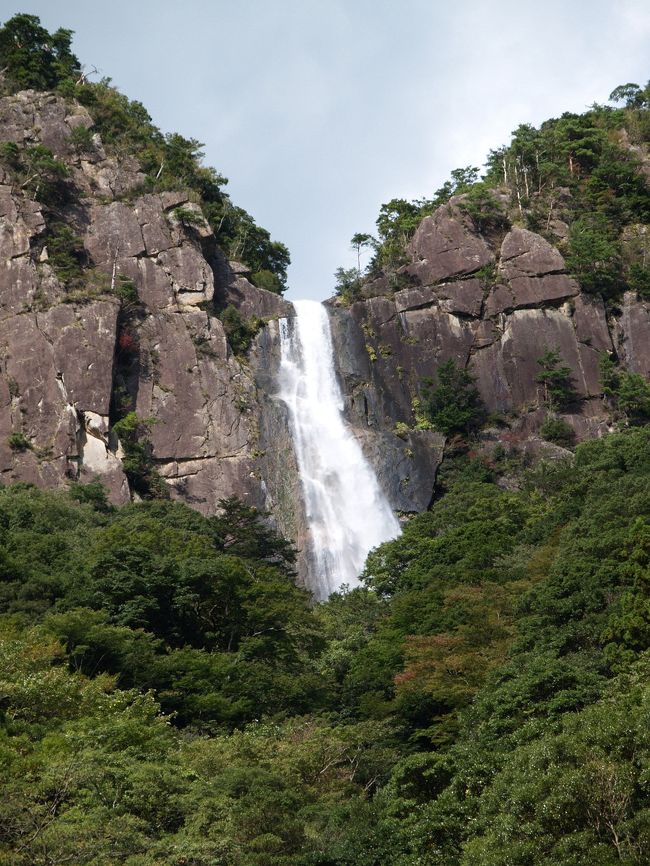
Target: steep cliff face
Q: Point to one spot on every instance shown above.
(74, 358)
(139, 330)
(494, 305)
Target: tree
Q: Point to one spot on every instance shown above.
(138, 462)
(628, 392)
(555, 379)
(454, 404)
(30, 57)
(347, 285)
(594, 256)
(361, 241)
(631, 94)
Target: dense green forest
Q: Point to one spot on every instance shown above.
(170, 697)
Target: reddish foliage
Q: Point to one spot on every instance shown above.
(127, 342)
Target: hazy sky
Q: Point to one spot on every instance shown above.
(318, 111)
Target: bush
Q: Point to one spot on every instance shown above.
(137, 462)
(18, 442)
(629, 393)
(66, 253)
(240, 333)
(557, 430)
(266, 279)
(594, 255)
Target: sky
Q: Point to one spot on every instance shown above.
(319, 111)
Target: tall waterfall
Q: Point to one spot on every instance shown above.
(347, 511)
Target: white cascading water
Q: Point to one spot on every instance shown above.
(347, 511)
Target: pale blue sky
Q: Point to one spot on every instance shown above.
(320, 110)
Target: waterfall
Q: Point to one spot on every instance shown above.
(347, 511)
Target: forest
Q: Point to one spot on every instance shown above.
(170, 697)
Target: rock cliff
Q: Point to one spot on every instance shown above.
(140, 331)
(72, 357)
(494, 305)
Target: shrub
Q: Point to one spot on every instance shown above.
(188, 217)
(82, 138)
(557, 430)
(18, 442)
(137, 462)
(65, 252)
(126, 290)
(639, 280)
(266, 279)
(629, 393)
(347, 285)
(240, 333)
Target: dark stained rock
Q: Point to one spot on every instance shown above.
(461, 296)
(530, 292)
(253, 302)
(590, 322)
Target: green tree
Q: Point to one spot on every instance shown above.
(347, 285)
(33, 58)
(594, 256)
(629, 393)
(555, 378)
(358, 242)
(453, 404)
(138, 461)
(240, 332)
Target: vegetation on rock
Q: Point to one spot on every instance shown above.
(577, 180)
(453, 404)
(30, 57)
(169, 696)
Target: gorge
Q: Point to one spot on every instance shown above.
(195, 472)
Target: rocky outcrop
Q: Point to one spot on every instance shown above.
(74, 357)
(443, 246)
(495, 306)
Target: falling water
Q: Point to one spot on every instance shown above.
(347, 511)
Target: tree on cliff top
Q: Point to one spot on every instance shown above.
(30, 57)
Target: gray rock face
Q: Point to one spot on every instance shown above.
(71, 357)
(68, 357)
(388, 346)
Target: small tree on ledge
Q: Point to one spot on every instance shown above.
(555, 378)
(454, 404)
